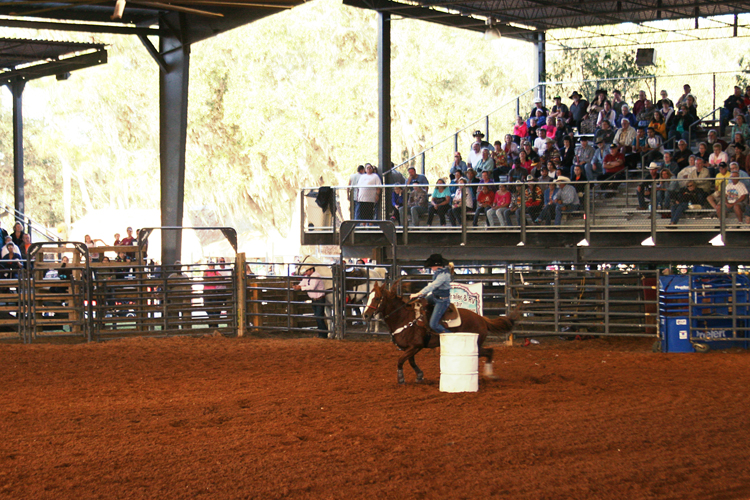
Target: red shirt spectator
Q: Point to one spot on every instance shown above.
(614, 161)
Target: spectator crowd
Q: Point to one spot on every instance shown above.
(548, 154)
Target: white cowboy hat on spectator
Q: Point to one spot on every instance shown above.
(653, 166)
(537, 100)
(562, 178)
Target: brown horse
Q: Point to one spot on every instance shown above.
(400, 316)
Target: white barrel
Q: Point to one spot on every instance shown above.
(459, 362)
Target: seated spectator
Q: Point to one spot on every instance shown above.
(659, 125)
(538, 107)
(12, 261)
(485, 198)
(562, 132)
(397, 202)
(683, 98)
(471, 179)
(416, 202)
(90, 243)
(440, 203)
(510, 149)
(738, 143)
(686, 172)
(559, 110)
(653, 150)
(740, 127)
(17, 236)
(735, 194)
(717, 157)
(692, 104)
(515, 203)
(486, 179)
(667, 112)
(550, 152)
(670, 164)
(625, 137)
(499, 204)
(578, 110)
(744, 176)
(458, 164)
(584, 154)
(567, 155)
(532, 127)
(534, 198)
(643, 190)
(645, 115)
(682, 155)
(712, 138)
(455, 213)
(679, 125)
(664, 100)
(734, 105)
(475, 155)
(5, 249)
(486, 163)
(548, 211)
(596, 167)
(543, 177)
(524, 162)
(685, 198)
(640, 103)
(614, 167)
(626, 115)
(532, 155)
(502, 169)
(739, 153)
(606, 133)
(665, 189)
(517, 174)
(606, 115)
(720, 178)
(479, 138)
(540, 144)
(520, 130)
(550, 128)
(566, 199)
(588, 123)
(453, 185)
(703, 152)
(702, 177)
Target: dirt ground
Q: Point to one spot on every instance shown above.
(298, 418)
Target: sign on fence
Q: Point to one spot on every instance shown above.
(467, 296)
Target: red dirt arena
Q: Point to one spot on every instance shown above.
(271, 418)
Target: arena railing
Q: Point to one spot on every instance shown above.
(604, 206)
(31, 226)
(705, 87)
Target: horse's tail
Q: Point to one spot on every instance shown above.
(503, 324)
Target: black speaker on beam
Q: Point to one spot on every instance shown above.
(645, 57)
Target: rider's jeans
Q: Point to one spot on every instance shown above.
(441, 305)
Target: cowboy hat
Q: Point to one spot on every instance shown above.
(478, 133)
(562, 178)
(653, 166)
(435, 260)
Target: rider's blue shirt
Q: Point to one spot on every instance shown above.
(440, 287)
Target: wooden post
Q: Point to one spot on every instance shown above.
(240, 269)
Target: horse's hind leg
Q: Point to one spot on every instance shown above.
(408, 354)
(487, 352)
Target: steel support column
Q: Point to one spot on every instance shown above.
(16, 89)
(384, 91)
(173, 106)
(541, 65)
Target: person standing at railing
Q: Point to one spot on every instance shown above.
(368, 194)
(353, 181)
(538, 106)
(315, 288)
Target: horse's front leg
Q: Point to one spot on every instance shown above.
(487, 352)
(420, 373)
(408, 354)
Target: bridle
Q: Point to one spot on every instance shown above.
(375, 308)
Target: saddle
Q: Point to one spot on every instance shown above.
(451, 318)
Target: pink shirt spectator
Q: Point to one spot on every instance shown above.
(502, 199)
(313, 285)
(521, 130)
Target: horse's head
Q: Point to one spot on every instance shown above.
(374, 302)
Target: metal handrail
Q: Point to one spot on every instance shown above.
(31, 224)
(698, 121)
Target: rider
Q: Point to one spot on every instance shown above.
(438, 292)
